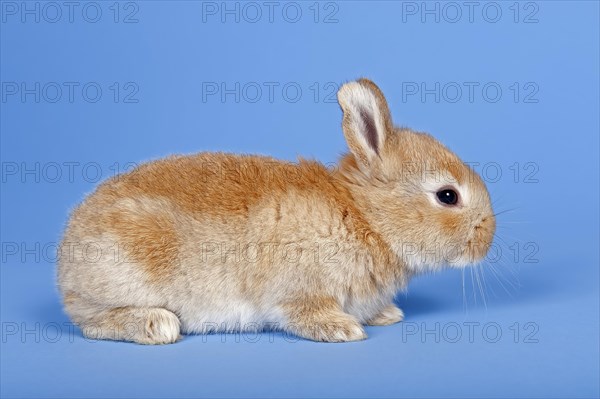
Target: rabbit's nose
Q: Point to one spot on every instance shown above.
(484, 233)
(489, 223)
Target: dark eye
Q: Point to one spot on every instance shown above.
(447, 196)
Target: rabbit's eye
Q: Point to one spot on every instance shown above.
(447, 196)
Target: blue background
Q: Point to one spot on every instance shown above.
(547, 282)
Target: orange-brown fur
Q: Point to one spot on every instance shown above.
(172, 233)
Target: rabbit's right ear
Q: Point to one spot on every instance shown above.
(366, 121)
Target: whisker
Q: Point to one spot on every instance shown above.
(505, 211)
(498, 276)
(483, 277)
(514, 284)
(464, 295)
(495, 274)
(480, 287)
(497, 199)
(513, 222)
(473, 285)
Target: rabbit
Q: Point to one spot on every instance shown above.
(215, 242)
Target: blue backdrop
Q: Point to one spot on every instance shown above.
(91, 88)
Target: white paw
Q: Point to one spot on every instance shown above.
(345, 331)
(352, 333)
(162, 327)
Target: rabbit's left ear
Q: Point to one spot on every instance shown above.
(366, 121)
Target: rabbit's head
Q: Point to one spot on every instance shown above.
(429, 206)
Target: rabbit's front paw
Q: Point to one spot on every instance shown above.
(339, 331)
(323, 320)
(161, 327)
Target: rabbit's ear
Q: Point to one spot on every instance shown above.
(366, 121)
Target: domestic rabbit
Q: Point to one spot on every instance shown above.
(220, 242)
